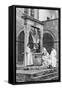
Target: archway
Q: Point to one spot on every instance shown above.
(48, 42)
(21, 47)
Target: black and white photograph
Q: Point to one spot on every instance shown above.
(30, 44)
(37, 44)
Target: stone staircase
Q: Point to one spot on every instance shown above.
(40, 74)
(51, 74)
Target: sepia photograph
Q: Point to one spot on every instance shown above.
(37, 44)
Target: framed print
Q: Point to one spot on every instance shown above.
(34, 44)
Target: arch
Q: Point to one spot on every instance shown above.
(18, 33)
(48, 41)
(21, 35)
(51, 33)
(21, 47)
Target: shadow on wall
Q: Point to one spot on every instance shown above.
(48, 42)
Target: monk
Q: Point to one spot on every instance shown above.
(29, 56)
(53, 57)
(45, 57)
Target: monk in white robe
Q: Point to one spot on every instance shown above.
(53, 58)
(29, 59)
(46, 57)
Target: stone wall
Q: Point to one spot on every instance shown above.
(52, 28)
(21, 27)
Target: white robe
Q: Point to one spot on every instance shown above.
(29, 60)
(46, 57)
(53, 58)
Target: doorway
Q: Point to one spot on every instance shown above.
(48, 42)
(21, 47)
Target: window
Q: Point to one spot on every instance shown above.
(32, 12)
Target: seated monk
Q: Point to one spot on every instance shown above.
(46, 58)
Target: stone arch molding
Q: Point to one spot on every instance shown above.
(51, 33)
(19, 33)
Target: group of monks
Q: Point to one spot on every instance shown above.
(49, 59)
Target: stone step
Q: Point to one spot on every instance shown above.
(46, 75)
(37, 75)
(52, 78)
